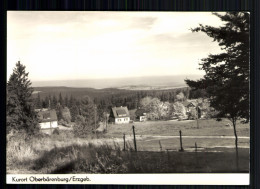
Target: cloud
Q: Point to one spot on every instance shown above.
(106, 44)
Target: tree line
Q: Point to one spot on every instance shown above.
(131, 99)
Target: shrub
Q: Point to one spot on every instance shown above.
(82, 128)
(19, 150)
(56, 131)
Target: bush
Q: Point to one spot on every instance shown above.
(56, 131)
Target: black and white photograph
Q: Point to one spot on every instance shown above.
(103, 92)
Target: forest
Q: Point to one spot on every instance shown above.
(104, 99)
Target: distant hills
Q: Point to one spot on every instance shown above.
(136, 83)
(106, 93)
(105, 88)
(76, 92)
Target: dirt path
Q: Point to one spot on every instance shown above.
(147, 138)
(151, 142)
(215, 137)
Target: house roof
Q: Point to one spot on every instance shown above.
(120, 112)
(192, 104)
(47, 116)
(140, 112)
(189, 103)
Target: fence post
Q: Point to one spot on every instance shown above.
(160, 145)
(124, 141)
(168, 156)
(196, 155)
(181, 150)
(134, 138)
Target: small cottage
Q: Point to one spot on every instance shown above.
(141, 115)
(190, 106)
(48, 119)
(119, 115)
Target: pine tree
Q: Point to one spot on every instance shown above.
(85, 123)
(59, 111)
(66, 101)
(38, 101)
(46, 102)
(54, 101)
(227, 74)
(66, 116)
(74, 111)
(50, 102)
(72, 102)
(61, 100)
(19, 105)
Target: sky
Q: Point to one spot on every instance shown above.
(91, 45)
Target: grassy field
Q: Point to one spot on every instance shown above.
(171, 128)
(89, 158)
(65, 153)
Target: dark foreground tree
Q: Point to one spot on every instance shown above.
(227, 74)
(20, 114)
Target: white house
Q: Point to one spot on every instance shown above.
(119, 115)
(48, 119)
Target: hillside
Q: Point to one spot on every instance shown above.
(95, 93)
(76, 92)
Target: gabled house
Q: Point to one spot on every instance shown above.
(191, 105)
(48, 119)
(141, 115)
(119, 115)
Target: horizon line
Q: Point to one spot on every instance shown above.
(117, 77)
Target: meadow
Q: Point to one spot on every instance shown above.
(65, 153)
(209, 127)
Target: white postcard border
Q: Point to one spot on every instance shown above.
(131, 179)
